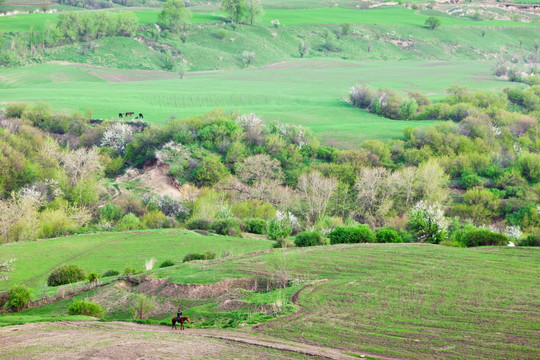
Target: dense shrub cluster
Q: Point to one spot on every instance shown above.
(88, 308)
(111, 273)
(166, 263)
(308, 239)
(74, 26)
(18, 297)
(199, 224)
(480, 237)
(387, 235)
(256, 226)
(227, 227)
(351, 235)
(196, 256)
(66, 274)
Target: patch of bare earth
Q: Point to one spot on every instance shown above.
(93, 340)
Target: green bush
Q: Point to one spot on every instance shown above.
(199, 224)
(154, 220)
(531, 240)
(387, 235)
(483, 237)
(80, 307)
(308, 239)
(129, 222)
(226, 227)
(111, 212)
(351, 235)
(275, 230)
(196, 256)
(66, 274)
(130, 271)
(256, 226)
(166, 263)
(111, 273)
(93, 277)
(15, 110)
(18, 297)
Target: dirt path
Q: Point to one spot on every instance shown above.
(118, 340)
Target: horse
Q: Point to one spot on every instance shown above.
(174, 320)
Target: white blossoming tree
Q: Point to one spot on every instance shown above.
(117, 136)
(427, 222)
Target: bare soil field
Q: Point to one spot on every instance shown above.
(117, 340)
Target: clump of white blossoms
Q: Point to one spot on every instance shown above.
(428, 222)
(247, 121)
(288, 220)
(117, 136)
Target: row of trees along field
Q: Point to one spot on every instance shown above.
(238, 173)
(84, 27)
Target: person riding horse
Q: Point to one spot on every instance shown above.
(179, 314)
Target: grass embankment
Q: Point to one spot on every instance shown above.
(305, 92)
(105, 251)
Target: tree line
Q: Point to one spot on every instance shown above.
(239, 173)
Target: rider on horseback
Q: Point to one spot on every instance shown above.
(179, 314)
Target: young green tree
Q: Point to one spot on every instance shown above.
(235, 9)
(174, 16)
(432, 22)
(254, 9)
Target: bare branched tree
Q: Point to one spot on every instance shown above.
(316, 192)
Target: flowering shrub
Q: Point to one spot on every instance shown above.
(117, 136)
(247, 121)
(295, 134)
(168, 206)
(288, 220)
(427, 222)
(514, 233)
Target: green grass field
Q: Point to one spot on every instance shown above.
(380, 16)
(407, 300)
(306, 92)
(420, 302)
(101, 252)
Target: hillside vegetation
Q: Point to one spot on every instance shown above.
(306, 179)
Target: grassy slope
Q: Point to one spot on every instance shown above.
(421, 302)
(101, 252)
(305, 92)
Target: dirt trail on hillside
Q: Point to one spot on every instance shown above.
(118, 340)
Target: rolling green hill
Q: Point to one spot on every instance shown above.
(102, 252)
